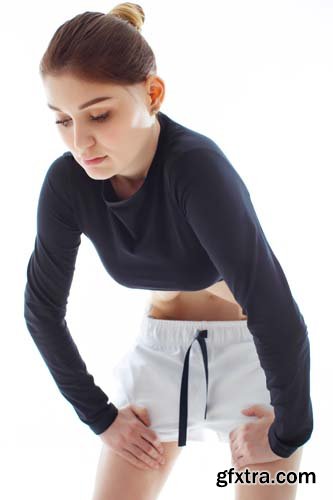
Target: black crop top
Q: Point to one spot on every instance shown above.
(191, 223)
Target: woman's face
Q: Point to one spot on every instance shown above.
(119, 127)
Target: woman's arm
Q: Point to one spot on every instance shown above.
(217, 206)
(49, 277)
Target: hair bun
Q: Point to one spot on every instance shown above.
(131, 12)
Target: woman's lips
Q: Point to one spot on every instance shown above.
(95, 161)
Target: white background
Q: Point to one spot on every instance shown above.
(255, 76)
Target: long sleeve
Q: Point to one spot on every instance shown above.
(49, 276)
(217, 206)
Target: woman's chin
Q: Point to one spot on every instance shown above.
(98, 174)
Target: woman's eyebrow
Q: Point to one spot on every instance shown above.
(84, 105)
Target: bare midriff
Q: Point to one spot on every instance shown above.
(215, 303)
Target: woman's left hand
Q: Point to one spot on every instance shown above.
(249, 442)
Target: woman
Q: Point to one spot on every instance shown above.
(166, 212)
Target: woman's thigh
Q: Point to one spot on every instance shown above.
(117, 479)
(275, 491)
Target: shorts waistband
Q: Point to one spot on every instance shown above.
(165, 333)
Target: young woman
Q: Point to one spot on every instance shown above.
(222, 344)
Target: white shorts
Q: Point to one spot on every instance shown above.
(194, 377)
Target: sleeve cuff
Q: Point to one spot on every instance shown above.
(278, 447)
(105, 420)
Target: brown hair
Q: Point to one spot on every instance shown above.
(102, 48)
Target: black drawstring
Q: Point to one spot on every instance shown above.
(200, 336)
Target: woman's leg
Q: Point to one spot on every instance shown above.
(275, 491)
(117, 479)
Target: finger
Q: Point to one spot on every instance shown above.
(236, 455)
(232, 434)
(141, 414)
(142, 456)
(236, 448)
(132, 459)
(238, 462)
(233, 441)
(236, 443)
(149, 449)
(151, 436)
(242, 461)
(260, 410)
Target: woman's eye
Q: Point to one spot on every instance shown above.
(96, 118)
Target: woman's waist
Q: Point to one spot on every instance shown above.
(193, 306)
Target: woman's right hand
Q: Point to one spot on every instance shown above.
(129, 437)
